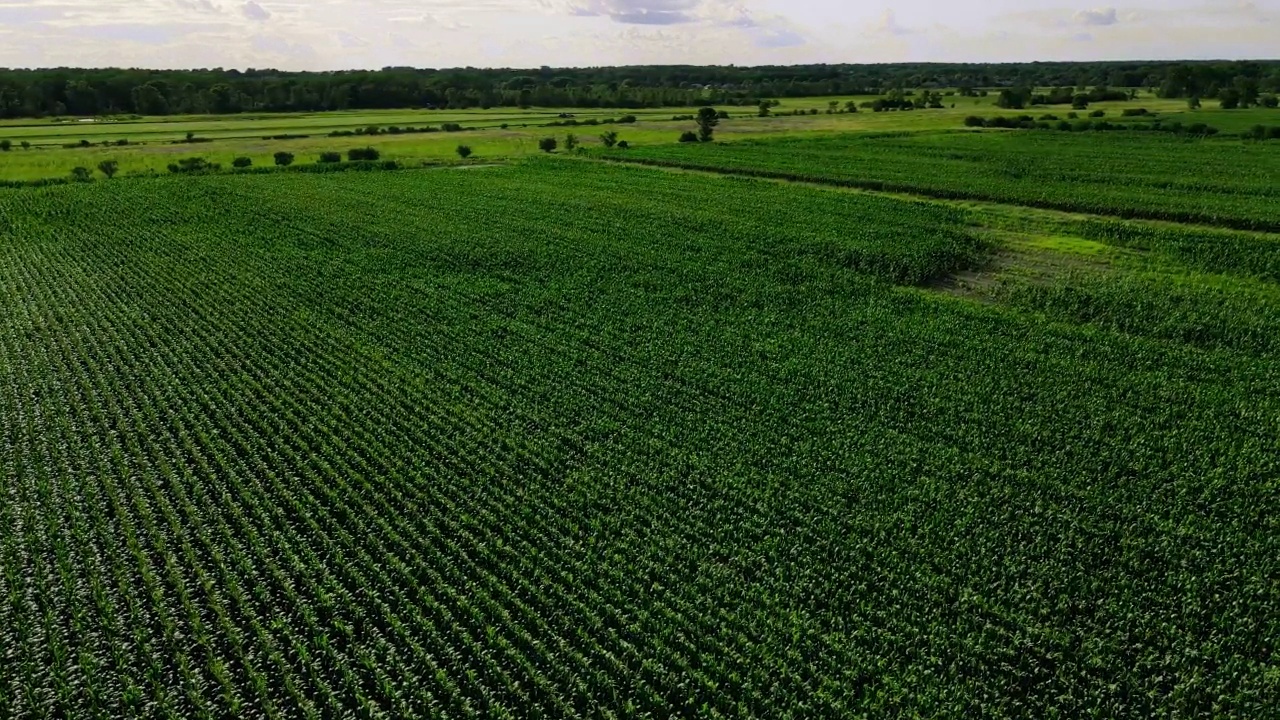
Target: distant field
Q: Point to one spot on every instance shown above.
(572, 439)
(152, 140)
(1147, 175)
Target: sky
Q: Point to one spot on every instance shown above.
(346, 34)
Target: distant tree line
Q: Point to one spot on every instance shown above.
(69, 91)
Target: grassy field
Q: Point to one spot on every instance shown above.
(565, 438)
(152, 140)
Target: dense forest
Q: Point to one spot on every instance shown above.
(69, 91)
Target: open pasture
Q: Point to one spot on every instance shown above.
(152, 140)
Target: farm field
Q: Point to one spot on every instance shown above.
(568, 438)
(1218, 181)
(152, 140)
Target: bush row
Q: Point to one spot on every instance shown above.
(1026, 122)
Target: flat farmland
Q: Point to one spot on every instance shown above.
(1218, 181)
(565, 438)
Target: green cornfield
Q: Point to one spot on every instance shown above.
(1221, 181)
(566, 439)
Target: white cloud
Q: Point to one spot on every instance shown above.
(527, 33)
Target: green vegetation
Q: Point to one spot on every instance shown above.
(114, 91)
(1141, 175)
(806, 419)
(511, 442)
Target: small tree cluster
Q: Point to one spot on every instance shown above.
(330, 157)
(283, 159)
(547, 145)
(464, 151)
(366, 154)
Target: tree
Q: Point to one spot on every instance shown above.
(1012, 99)
(464, 151)
(609, 139)
(242, 162)
(81, 174)
(832, 105)
(764, 108)
(707, 119)
(570, 142)
(109, 168)
(26, 145)
(1193, 103)
(547, 145)
(1229, 99)
(5, 145)
(284, 159)
(1269, 101)
(851, 106)
(623, 145)
(1080, 102)
(689, 136)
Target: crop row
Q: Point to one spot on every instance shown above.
(513, 443)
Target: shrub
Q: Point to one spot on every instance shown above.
(464, 151)
(1048, 117)
(1269, 101)
(627, 119)
(363, 154)
(609, 139)
(330, 157)
(623, 144)
(570, 141)
(241, 162)
(1073, 115)
(284, 159)
(1098, 113)
(547, 145)
(689, 136)
(81, 174)
(974, 121)
(26, 145)
(451, 127)
(1135, 112)
(109, 168)
(192, 165)
(6, 145)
